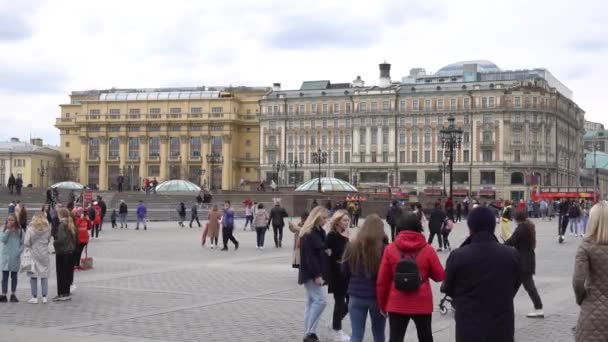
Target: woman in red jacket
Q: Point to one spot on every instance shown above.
(400, 305)
(83, 225)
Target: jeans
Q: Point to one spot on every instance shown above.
(439, 238)
(249, 220)
(574, 225)
(95, 231)
(393, 230)
(78, 253)
(260, 233)
(195, 218)
(5, 275)
(530, 287)
(143, 221)
(315, 304)
(44, 283)
(340, 310)
(398, 325)
(358, 309)
(444, 235)
(278, 235)
(122, 217)
(65, 269)
(227, 236)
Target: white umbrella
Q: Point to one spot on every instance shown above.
(177, 185)
(68, 185)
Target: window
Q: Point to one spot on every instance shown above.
(196, 128)
(484, 102)
(346, 157)
(312, 140)
(301, 156)
(402, 138)
(374, 159)
(432, 177)
(487, 137)
(427, 156)
(385, 157)
(439, 156)
(156, 128)
(527, 102)
(362, 107)
(415, 105)
(427, 136)
(385, 106)
(175, 128)
(275, 109)
(465, 156)
(487, 118)
(440, 120)
(154, 110)
(487, 156)
(325, 109)
(133, 111)
(427, 120)
(439, 104)
(196, 110)
(374, 107)
(487, 177)
(154, 170)
(414, 157)
(466, 103)
(347, 106)
(385, 135)
(94, 129)
(247, 155)
(216, 127)
(290, 109)
(517, 102)
(336, 158)
(414, 138)
(324, 123)
(362, 136)
(154, 147)
(374, 135)
(93, 112)
(516, 156)
(93, 148)
(466, 137)
(302, 142)
(67, 144)
(402, 156)
(195, 147)
(114, 111)
(313, 108)
(175, 110)
(491, 102)
(324, 140)
(336, 139)
(402, 106)
(415, 120)
(453, 104)
(336, 108)
(113, 147)
(534, 102)
(347, 139)
(427, 105)
(133, 128)
(173, 147)
(516, 137)
(467, 119)
(302, 109)
(133, 148)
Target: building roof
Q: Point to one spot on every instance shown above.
(457, 69)
(23, 147)
(601, 160)
(314, 85)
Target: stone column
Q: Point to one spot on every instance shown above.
(204, 165)
(368, 145)
(122, 155)
(392, 156)
(103, 163)
(143, 158)
(164, 158)
(183, 152)
(82, 174)
(227, 165)
(356, 143)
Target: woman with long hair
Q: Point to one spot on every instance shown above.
(589, 279)
(64, 244)
(181, 211)
(311, 272)
(295, 229)
(335, 243)
(524, 240)
(361, 263)
(37, 239)
(12, 240)
(214, 225)
(21, 213)
(260, 222)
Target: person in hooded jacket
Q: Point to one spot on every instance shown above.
(436, 220)
(277, 219)
(483, 277)
(393, 214)
(83, 225)
(181, 212)
(403, 306)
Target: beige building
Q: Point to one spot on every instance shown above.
(520, 127)
(35, 163)
(208, 136)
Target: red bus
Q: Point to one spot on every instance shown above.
(559, 192)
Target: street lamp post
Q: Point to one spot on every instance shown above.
(442, 169)
(295, 164)
(201, 176)
(319, 157)
(212, 159)
(451, 139)
(280, 166)
(41, 173)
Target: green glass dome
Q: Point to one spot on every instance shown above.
(177, 185)
(327, 185)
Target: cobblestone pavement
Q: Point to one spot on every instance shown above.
(161, 285)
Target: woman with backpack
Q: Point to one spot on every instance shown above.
(181, 211)
(360, 264)
(312, 270)
(403, 287)
(335, 243)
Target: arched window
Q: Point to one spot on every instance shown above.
(517, 178)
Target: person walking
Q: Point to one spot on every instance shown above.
(249, 216)
(142, 214)
(36, 242)
(122, 214)
(11, 183)
(96, 211)
(360, 264)
(458, 217)
(194, 215)
(544, 206)
(312, 271)
(228, 227)
(21, 213)
(83, 225)
(524, 240)
(436, 220)
(19, 185)
(505, 221)
(393, 214)
(103, 210)
(414, 302)
(446, 229)
(335, 243)
(213, 231)
(482, 278)
(64, 244)
(277, 219)
(295, 229)
(574, 213)
(589, 278)
(120, 180)
(12, 247)
(181, 212)
(260, 222)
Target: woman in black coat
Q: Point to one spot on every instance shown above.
(524, 240)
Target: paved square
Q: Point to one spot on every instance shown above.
(161, 285)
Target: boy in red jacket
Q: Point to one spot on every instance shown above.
(83, 224)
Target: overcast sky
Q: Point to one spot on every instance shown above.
(49, 48)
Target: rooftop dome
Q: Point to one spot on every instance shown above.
(328, 184)
(456, 69)
(177, 185)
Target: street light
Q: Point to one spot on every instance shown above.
(213, 158)
(201, 175)
(295, 164)
(280, 166)
(451, 139)
(319, 157)
(41, 173)
(443, 170)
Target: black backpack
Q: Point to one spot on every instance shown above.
(407, 275)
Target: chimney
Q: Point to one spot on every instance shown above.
(385, 75)
(276, 86)
(36, 142)
(14, 139)
(358, 82)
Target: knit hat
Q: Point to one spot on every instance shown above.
(481, 219)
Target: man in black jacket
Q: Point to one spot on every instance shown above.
(483, 277)
(392, 217)
(277, 216)
(122, 214)
(194, 215)
(103, 207)
(436, 221)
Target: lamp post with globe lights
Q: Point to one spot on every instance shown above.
(451, 140)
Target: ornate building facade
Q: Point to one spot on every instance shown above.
(208, 136)
(520, 128)
(37, 164)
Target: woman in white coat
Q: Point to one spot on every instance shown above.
(37, 239)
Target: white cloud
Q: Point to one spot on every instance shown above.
(49, 48)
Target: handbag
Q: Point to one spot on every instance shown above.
(27, 263)
(87, 262)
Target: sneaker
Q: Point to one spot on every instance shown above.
(33, 301)
(340, 336)
(257, 247)
(72, 288)
(536, 314)
(262, 248)
(311, 338)
(64, 298)
(439, 250)
(224, 249)
(236, 246)
(212, 246)
(44, 300)
(14, 299)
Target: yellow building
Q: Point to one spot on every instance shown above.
(208, 136)
(35, 163)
